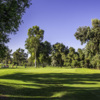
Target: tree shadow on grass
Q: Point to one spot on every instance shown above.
(51, 86)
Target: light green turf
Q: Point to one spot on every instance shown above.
(49, 84)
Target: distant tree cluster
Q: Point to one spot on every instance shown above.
(19, 57)
(60, 55)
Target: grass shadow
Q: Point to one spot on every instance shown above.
(55, 86)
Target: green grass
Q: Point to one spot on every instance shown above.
(49, 84)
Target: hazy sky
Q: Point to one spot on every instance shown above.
(59, 19)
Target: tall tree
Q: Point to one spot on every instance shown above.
(11, 12)
(91, 36)
(35, 36)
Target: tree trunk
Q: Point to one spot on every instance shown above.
(35, 59)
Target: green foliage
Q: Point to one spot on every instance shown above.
(43, 53)
(91, 36)
(81, 58)
(72, 58)
(35, 36)
(19, 57)
(87, 62)
(74, 63)
(96, 61)
(3, 49)
(6, 59)
(11, 12)
(59, 50)
(54, 61)
(30, 61)
(82, 34)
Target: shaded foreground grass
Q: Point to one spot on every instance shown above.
(49, 84)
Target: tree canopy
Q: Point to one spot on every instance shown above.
(35, 36)
(11, 12)
(90, 35)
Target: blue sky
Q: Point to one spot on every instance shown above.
(59, 19)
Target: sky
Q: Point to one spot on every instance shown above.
(59, 19)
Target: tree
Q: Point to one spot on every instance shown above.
(19, 56)
(58, 52)
(90, 35)
(96, 61)
(81, 57)
(3, 39)
(72, 58)
(53, 61)
(43, 53)
(7, 56)
(82, 34)
(11, 12)
(69, 57)
(35, 36)
(30, 61)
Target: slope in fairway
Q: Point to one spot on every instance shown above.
(49, 84)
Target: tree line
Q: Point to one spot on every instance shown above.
(60, 55)
(44, 54)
